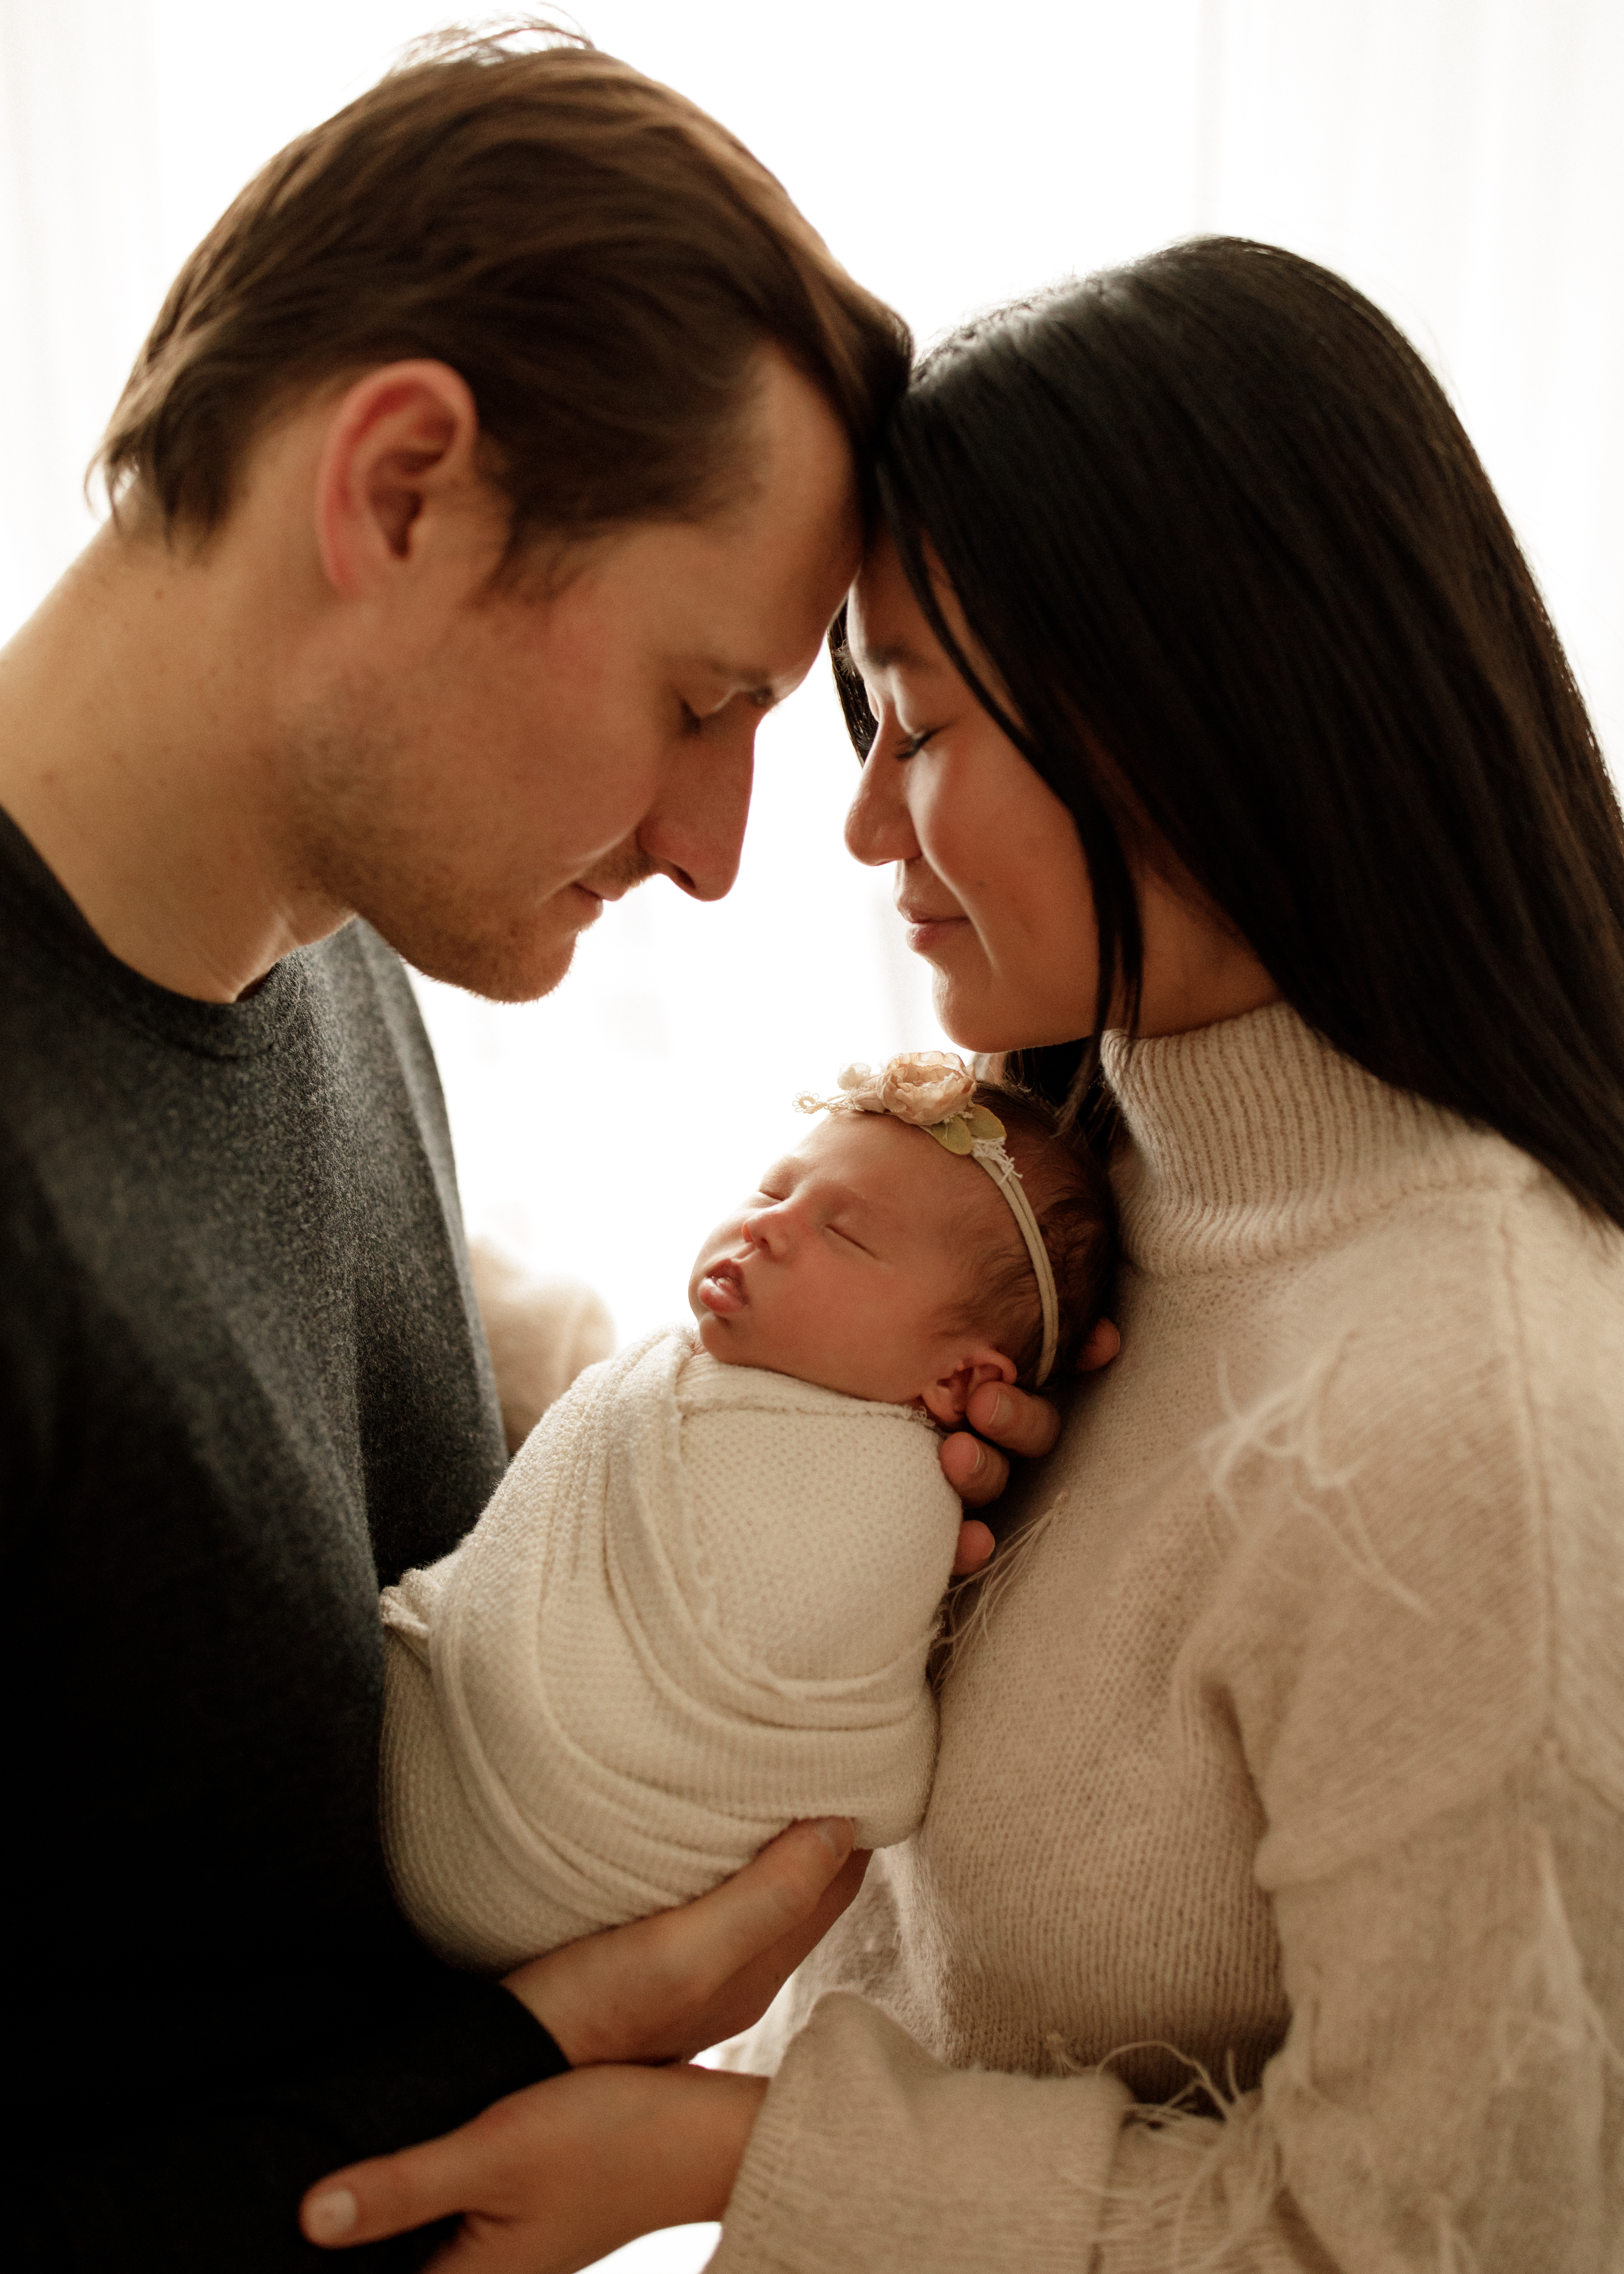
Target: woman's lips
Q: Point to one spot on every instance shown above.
(721, 1291)
(925, 932)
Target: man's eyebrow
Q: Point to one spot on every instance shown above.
(748, 679)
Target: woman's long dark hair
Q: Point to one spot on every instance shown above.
(1226, 544)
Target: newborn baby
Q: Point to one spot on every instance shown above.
(700, 1602)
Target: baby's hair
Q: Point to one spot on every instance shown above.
(1077, 1215)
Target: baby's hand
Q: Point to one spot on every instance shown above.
(1022, 1424)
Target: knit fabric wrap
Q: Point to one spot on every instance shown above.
(698, 1607)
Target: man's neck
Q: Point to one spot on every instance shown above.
(136, 719)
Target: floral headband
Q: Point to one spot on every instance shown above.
(935, 1091)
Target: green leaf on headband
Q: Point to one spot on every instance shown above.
(983, 1124)
(954, 1134)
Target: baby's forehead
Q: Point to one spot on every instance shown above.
(864, 1149)
(887, 1165)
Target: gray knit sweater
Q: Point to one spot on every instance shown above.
(242, 1382)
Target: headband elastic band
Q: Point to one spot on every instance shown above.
(994, 1157)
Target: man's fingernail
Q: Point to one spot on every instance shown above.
(1002, 1411)
(835, 1832)
(329, 2217)
(980, 1458)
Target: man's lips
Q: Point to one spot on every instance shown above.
(721, 1289)
(591, 899)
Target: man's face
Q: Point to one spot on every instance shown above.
(478, 776)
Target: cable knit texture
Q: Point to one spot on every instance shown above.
(698, 1607)
(1286, 1758)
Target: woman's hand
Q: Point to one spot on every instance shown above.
(665, 1987)
(1018, 1422)
(554, 2177)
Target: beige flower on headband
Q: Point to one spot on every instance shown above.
(919, 1086)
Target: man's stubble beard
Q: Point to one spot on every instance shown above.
(340, 780)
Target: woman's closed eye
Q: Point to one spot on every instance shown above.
(911, 744)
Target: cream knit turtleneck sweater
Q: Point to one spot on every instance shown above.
(1290, 1745)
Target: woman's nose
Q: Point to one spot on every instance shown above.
(879, 827)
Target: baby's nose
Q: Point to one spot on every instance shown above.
(764, 1228)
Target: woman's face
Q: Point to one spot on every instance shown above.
(990, 874)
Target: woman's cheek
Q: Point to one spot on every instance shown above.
(939, 799)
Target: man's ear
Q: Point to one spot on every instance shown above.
(947, 1398)
(403, 437)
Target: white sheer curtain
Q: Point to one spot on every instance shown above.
(1460, 159)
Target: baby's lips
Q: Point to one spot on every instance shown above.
(721, 1291)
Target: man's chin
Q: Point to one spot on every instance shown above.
(516, 966)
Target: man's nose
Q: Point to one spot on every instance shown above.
(694, 833)
(878, 825)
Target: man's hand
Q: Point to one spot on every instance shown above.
(665, 1987)
(553, 2178)
(1022, 1424)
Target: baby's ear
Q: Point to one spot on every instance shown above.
(946, 1399)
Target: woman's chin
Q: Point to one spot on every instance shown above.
(984, 1027)
(972, 1026)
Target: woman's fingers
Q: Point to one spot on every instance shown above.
(1102, 1345)
(976, 1473)
(975, 1546)
(1011, 1418)
(666, 1986)
(1020, 1423)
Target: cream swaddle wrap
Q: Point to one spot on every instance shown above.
(698, 1606)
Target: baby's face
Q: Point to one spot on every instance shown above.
(844, 1267)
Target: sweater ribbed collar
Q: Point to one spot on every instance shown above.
(1253, 1138)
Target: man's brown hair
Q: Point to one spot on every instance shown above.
(598, 258)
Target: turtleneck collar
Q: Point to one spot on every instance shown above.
(1255, 1137)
